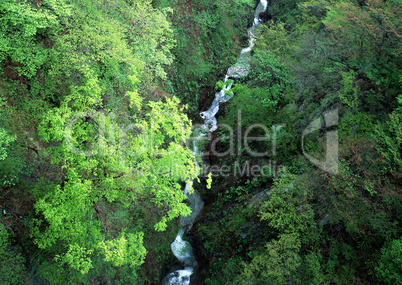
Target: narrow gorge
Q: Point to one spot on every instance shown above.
(181, 248)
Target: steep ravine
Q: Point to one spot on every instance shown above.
(181, 248)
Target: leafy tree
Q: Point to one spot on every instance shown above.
(389, 135)
(120, 170)
(311, 269)
(288, 210)
(112, 151)
(25, 28)
(390, 264)
(364, 192)
(349, 93)
(364, 34)
(12, 268)
(276, 265)
(312, 12)
(5, 141)
(274, 37)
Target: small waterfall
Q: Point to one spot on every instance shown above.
(181, 248)
(179, 277)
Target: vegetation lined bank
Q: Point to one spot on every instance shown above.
(95, 103)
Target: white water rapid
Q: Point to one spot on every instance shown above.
(181, 248)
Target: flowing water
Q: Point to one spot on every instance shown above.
(181, 248)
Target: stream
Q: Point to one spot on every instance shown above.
(181, 248)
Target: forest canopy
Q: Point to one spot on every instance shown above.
(98, 100)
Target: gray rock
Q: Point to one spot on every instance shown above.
(324, 220)
(258, 199)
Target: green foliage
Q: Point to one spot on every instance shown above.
(86, 182)
(225, 272)
(123, 249)
(276, 265)
(151, 37)
(363, 39)
(288, 210)
(162, 3)
(206, 20)
(389, 135)
(4, 235)
(361, 180)
(25, 29)
(82, 87)
(5, 141)
(77, 258)
(269, 72)
(275, 38)
(220, 85)
(260, 97)
(342, 263)
(285, 11)
(312, 269)
(312, 12)
(314, 56)
(207, 35)
(349, 93)
(357, 124)
(13, 168)
(63, 207)
(390, 264)
(12, 267)
(209, 181)
(237, 193)
(248, 101)
(92, 62)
